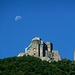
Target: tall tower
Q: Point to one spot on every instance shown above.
(74, 55)
(35, 47)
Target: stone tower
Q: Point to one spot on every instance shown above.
(37, 47)
(74, 55)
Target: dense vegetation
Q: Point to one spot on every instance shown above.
(28, 65)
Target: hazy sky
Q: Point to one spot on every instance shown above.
(51, 20)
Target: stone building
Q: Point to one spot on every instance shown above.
(74, 55)
(38, 48)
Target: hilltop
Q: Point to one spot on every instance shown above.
(29, 65)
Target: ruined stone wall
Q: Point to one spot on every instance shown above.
(56, 55)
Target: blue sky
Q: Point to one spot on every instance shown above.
(51, 20)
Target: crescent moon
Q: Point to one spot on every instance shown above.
(18, 18)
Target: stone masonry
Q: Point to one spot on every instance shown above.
(38, 48)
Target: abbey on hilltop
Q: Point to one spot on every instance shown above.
(38, 48)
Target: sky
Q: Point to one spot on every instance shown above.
(51, 20)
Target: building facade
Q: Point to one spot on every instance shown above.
(38, 48)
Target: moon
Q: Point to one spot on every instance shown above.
(18, 18)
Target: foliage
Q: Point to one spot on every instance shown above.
(29, 65)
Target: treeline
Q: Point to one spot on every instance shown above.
(29, 65)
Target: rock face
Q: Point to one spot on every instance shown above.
(42, 50)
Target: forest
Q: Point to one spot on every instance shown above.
(29, 65)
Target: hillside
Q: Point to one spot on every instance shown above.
(29, 65)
